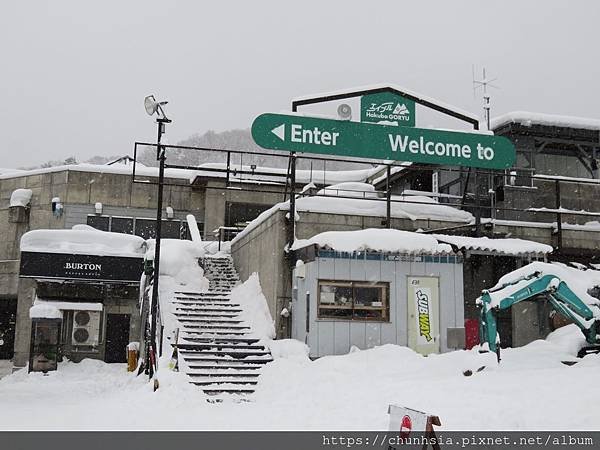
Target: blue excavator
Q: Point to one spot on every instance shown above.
(558, 293)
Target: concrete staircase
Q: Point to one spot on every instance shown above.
(220, 353)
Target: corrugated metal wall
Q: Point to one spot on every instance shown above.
(327, 336)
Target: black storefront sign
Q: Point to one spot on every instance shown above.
(81, 267)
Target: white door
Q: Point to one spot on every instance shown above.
(424, 314)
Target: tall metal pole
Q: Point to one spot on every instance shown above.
(160, 156)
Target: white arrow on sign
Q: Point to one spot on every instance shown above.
(279, 131)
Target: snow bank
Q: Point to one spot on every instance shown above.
(288, 348)
(501, 246)
(347, 392)
(45, 311)
(179, 260)
(385, 240)
(255, 311)
(83, 240)
(569, 339)
(21, 197)
(193, 227)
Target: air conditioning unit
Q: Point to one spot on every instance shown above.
(86, 328)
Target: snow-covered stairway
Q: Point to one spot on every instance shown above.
(220, 353)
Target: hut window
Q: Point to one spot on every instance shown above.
(353, 300)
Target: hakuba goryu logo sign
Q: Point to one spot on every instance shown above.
(387, 107)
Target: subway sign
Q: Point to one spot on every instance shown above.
(296, 133)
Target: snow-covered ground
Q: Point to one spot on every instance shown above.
(531, 389)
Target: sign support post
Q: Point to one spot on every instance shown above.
(388, 198)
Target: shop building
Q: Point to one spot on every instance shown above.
(78, 296)
(373, 287)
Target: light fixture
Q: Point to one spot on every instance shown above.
(154, 107)
(344, 111)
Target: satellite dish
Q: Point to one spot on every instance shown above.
(344, 111)
(151, 105)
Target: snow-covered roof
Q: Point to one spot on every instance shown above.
(83, 240)
(375, 239)
(102, 168)
(392, 86)
(44, 310)
(261, 174)
(531, 118)
(70, 306)
(513, 247)
(408, 242)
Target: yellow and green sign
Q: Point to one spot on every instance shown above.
(295, 133)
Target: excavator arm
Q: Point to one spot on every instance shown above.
(558, 293)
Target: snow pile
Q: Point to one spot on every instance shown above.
(255, 311)
(501, 246)
(530, 118)
(83, 240)
(21, 197)
(569, 339)
(385, 240)
(179, 260)
(289, 349)
(358, 190)
(193, 227)
(43, 310)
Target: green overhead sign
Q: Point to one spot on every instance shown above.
(387, 142)
(387, 107)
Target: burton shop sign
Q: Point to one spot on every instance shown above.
(80, 267)
(387, 107)
(387, 142)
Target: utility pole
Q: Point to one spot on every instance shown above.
(152, 107)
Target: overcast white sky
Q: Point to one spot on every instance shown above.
(73, 74)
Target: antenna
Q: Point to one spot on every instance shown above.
(484, 82)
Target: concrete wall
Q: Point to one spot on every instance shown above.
(23, 326)
(334, 336)
(261, 251)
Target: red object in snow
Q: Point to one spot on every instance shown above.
(471, 333)
(405, 427)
